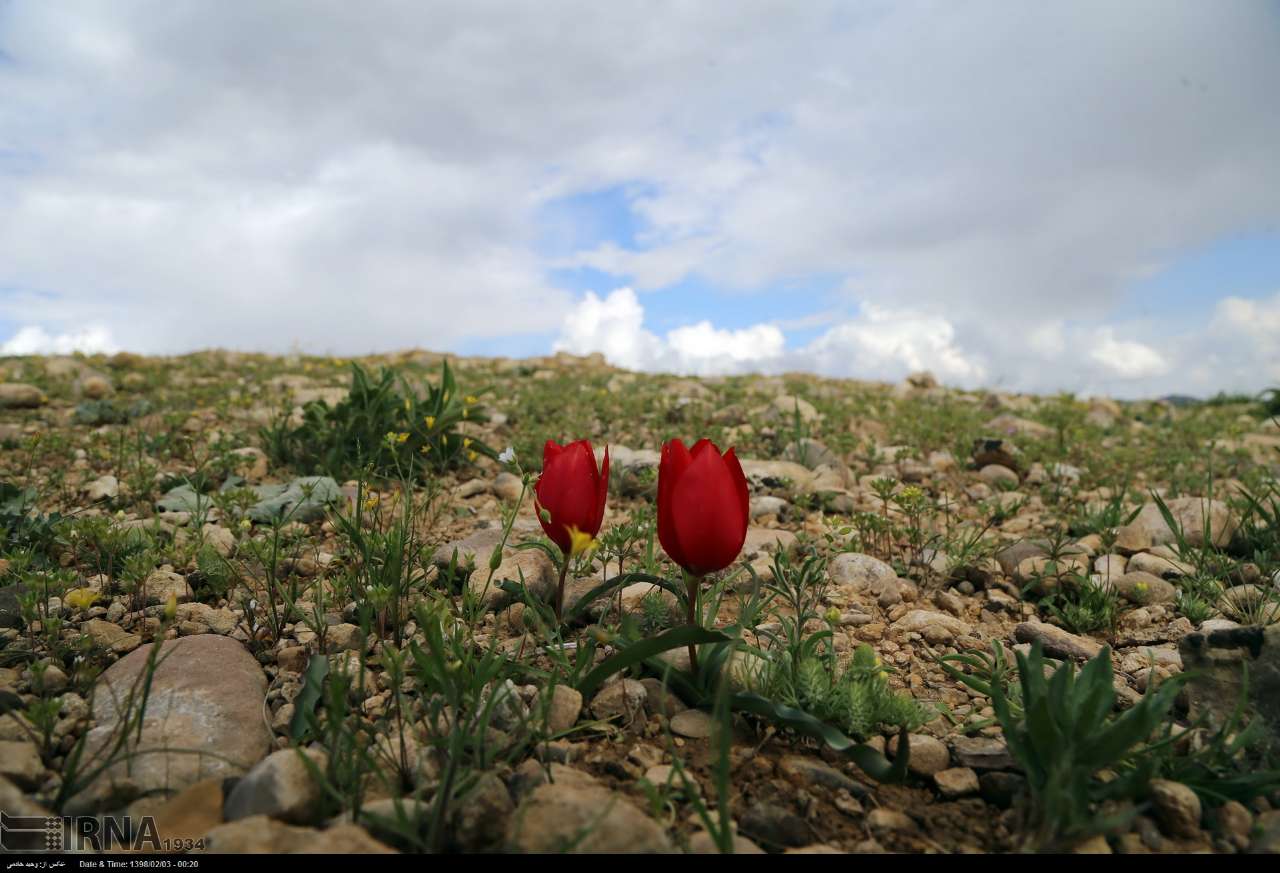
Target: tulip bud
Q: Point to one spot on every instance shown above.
(703, 506)
(571, 493)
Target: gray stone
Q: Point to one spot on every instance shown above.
(280, 786)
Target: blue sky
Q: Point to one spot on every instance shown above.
(1079, 197)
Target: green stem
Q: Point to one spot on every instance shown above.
(693, 583)
(564, 570)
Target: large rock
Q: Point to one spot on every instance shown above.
(281, 786)
(259, 835)
(1195, 515)
(1216, 661)
(15, 395)
(583, 818)
(203, 717)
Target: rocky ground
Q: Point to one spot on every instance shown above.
(145, 502)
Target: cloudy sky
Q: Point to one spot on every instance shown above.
(1080, 196)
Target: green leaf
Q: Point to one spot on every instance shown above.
(637, 652)
(874, 764)
(305, 703)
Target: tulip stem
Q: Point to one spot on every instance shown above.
(694, 584)
(564, 570)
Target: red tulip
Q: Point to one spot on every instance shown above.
(703, 506)
(571, 492)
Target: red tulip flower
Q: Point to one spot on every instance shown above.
(569, 499)
(703, 509)
(703, 506)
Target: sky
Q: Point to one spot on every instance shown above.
(1036, 197)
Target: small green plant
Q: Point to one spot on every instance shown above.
(1081, 606)
(1065, 737)
(383, 426)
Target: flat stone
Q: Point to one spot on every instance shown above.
(260, 835)
(693, 723)
(583, 819)
(920, 620)
(1056, 642)
(956, 782)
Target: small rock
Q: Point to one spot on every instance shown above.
(693, 723)
(20, 763)
(919, 620)
(582, 818)
(772, 825)
(102, 488)
(619, 699)
(998, 475)
(1144, 589)
(563, 709)
(1177, 808)
(110, 636)
(890, 820)
(1056, 642)
(981, 753)
(260, 835)
(928, 755)
(507, 486)
(956, 782)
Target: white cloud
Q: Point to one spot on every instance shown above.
(878, 344)
(355, 177)
(33, 340)
(615, 326)
(1126, 359)
(887, 344)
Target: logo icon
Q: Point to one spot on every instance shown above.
(30, 833)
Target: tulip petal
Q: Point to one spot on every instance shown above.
(744, 494)
(602, 488)
(706, 515)
(568, 489)
(675, 460)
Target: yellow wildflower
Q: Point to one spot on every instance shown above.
(430, 421)
(471, 456)
(472, 399)
(81, 598)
